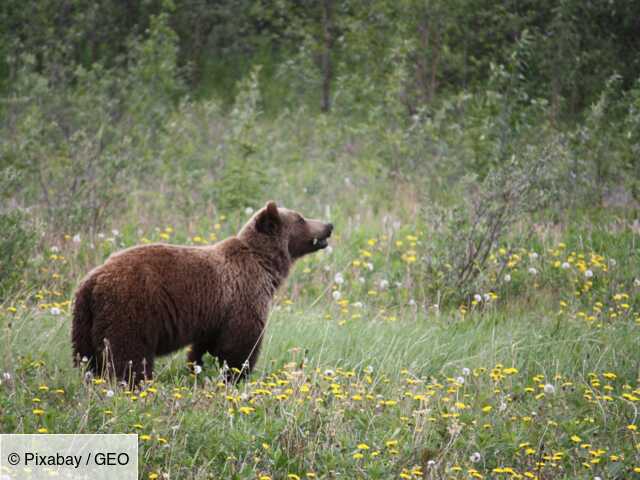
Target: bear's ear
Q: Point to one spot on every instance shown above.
(269, 219)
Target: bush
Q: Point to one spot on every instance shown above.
(16, 246)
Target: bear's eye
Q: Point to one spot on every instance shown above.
(300, 220)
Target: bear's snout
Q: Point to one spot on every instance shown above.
(320, 239)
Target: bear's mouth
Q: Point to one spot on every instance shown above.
(320, 243)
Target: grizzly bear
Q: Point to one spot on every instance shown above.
(153, 299)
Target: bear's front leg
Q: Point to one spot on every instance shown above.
(239, 352)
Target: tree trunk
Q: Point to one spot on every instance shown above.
(327, 27)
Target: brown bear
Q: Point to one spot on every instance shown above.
(154, 299)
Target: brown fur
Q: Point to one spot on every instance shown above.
(154, 299)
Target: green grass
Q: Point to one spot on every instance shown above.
(540, 381)
(332, 398)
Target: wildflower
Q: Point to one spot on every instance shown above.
(533, 271)
(477, 297)
(369, 266)
(115, 232)
(507, 278)
(336, 295)
(248, 211)
(412, 302)
(358, 305)
(338, 279)
(566, 266)
(197, 369)
(329, 373)
(76, 238)
(588, 274)
(6, 376)
(460, 380)
(475, 457)
(466, 371)
(384, 284)
(550, 389)
(109, 393)
(55, 311)
(363, 446)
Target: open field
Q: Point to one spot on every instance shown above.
(532, 381)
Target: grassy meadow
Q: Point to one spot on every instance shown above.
(536, 377)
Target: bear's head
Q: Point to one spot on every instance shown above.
(281, 228)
